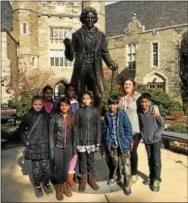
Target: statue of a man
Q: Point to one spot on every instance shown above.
(88, 47)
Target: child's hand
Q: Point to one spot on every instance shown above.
(155, 111)
(132, 144)
(97, 148)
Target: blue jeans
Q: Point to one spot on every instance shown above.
(154, 160)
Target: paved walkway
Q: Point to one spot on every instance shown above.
(16, 185)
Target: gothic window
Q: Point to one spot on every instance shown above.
(2, 82)
(59, 89)
(51, 33)
(57, 58)
(159, 86)
(61, 61)
(33, 61)
(155, 50)
(57, 35)
(131, 56)
(8, 91)
(60, 33)
(24, 28)
(52, 61)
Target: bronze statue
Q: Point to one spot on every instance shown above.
(88, 47)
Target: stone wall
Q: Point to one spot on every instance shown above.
(50, 8)
(49, 16)
(168, 68)
(45, 43)
(9, 66)
(40, 17)
(116, 46)
(26, 12)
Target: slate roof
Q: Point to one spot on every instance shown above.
(6, 16)
(151, 14)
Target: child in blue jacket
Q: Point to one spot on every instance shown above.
(117, 139)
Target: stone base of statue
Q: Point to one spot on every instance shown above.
(102, 176)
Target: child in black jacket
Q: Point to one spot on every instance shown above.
(37, 145)
(62, 131)
(88, 139)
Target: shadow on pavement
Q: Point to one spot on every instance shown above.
(142, 175)
(26, 167)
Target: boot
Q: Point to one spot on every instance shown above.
(70, 180)
(66, 190)
(59, 194)
(82, 184)
(92, 181)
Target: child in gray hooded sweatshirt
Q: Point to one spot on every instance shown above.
(151, 129)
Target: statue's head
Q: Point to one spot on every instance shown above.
(89, 17)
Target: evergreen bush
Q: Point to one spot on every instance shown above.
(23, 105)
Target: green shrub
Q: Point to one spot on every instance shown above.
(185, 108)
(166, 105)
(23, 105)
(107, 91)
(163, 101)
(178, 128)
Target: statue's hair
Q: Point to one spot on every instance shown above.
(87, 10)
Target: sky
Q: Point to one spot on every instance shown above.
(110, 2)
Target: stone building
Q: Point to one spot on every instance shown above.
(9, 56)
(144, 39)
(41, 27)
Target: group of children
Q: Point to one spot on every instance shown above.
(59, 131)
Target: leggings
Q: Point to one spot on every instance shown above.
(41, 171)
(72, 164)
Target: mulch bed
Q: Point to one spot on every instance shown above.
(180, 147)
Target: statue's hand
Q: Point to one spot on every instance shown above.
(67, 41)
(113, 66)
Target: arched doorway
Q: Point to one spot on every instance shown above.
(156, 81)
(59, 89)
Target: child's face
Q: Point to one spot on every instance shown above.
(71, 92)
(37, 105)
(145, 103)
(112, 107)
(64, 108)
(86, 100)
(48, 94)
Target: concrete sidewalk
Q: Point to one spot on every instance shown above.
(16, 185)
